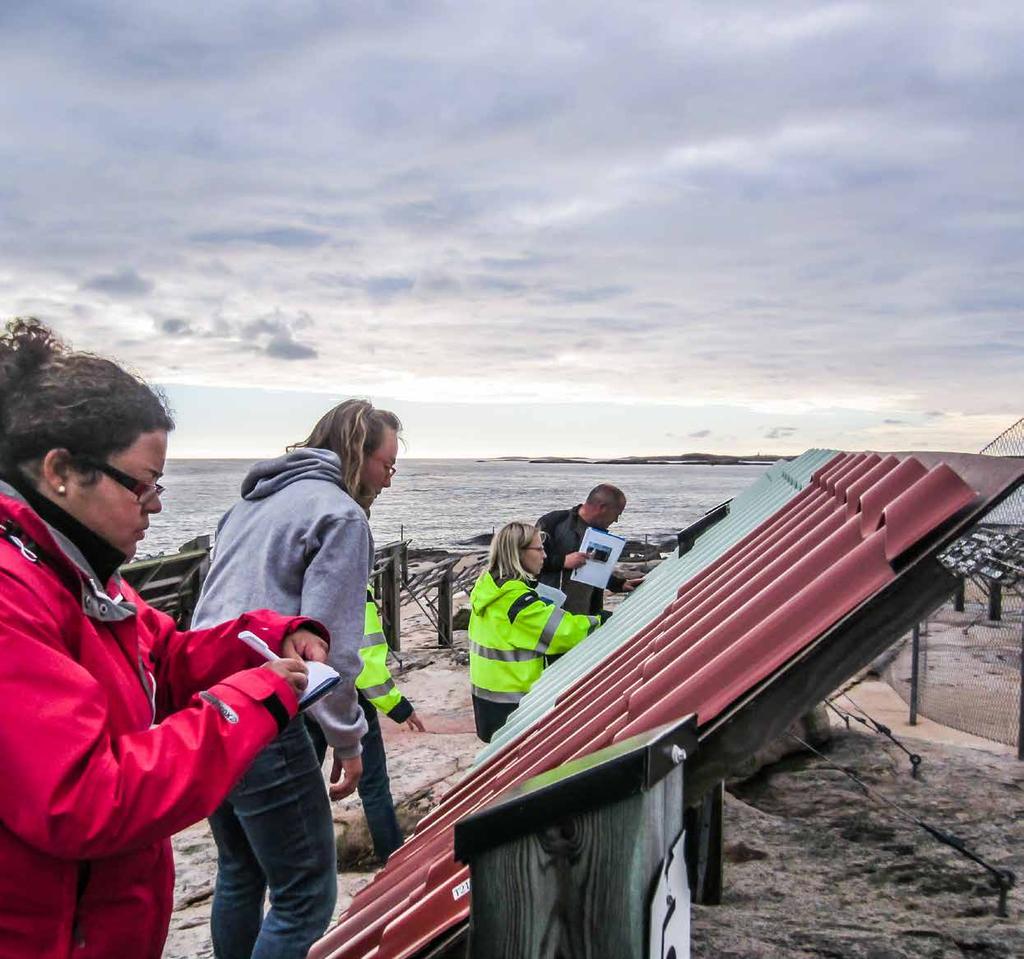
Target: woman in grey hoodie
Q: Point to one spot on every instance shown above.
(299, 542)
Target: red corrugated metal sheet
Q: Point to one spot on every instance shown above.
(811, 563)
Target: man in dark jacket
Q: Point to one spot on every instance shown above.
(564, 529)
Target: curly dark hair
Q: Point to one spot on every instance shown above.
(52, 397)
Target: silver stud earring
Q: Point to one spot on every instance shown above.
(62, 489)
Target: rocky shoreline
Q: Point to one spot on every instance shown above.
(680, 459)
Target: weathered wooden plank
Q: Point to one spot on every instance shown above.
(580, 887)
(564, 865)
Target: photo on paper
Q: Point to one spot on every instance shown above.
(602, 550)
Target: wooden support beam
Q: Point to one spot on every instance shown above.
(564, 865)
(705, 832)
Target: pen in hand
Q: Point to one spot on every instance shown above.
(293, 671)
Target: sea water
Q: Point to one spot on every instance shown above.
(445, 503)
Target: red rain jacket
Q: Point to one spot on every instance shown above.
(106, 749)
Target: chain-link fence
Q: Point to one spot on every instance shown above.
(964, 668)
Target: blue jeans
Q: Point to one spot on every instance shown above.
(275, 830)
(375, 789)
(374, 786)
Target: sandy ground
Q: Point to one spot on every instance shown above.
(817, 868)
(814, 868)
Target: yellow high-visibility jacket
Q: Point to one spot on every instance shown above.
(511, 629)
(374, 681)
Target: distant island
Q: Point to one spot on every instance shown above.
(679, 459)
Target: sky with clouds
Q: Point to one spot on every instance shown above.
(530, 228)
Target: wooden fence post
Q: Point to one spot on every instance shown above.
(445, 632)
(585, 860)
(995, 601)
(192, 585)
(959, 595)
(389, 593)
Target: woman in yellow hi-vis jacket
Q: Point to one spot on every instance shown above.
(512, 629)
(378, 693)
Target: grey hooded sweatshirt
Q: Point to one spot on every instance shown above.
(297, 543)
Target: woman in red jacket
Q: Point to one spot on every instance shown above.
(116, 729)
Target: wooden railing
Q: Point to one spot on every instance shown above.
(171, 582)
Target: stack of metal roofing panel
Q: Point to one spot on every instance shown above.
(779, 484)
(707, 631)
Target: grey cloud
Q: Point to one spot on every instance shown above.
(285, 237)
(124, 283)
(386, 287)
(990, 301)
(383, 287)
(699, 434)
(779, 432)
(283, 347)
(935, 414)
(516, 263)
(895, 422)
(588, 294)
(498, 284)
(438, 213)
(274, 335)
(518, 179)
(174, 326)
(440, 283)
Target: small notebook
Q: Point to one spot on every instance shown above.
(322, 678)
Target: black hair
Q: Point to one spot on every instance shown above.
(52, 397)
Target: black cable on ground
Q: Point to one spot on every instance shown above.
(880, 728)
(1004, 879)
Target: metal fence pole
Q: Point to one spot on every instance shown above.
(1020, 719)
(915, 655)
(958, 595)
(995, 601)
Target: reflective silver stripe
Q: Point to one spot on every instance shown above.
(494, 697)
(550, 628)
(373, 692)
(373, 639)
(503, 655)
(222, 707)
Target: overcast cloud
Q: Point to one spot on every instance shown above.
(808, 214)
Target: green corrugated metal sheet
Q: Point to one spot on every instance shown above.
(761, 499)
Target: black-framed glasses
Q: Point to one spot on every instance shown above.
(145, 492)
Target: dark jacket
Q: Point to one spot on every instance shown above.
(564, 531)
